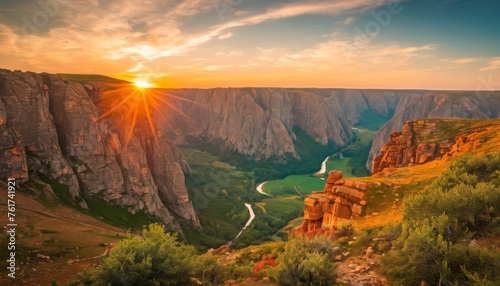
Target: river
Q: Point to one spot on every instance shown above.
(252, 216)
(323, 165)
(259, 189)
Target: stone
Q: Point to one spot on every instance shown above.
(369, 252)
(338, 204)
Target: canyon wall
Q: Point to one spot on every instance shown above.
(50, 128)
(259, 122)
(450, 104)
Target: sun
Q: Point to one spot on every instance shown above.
(143, 84)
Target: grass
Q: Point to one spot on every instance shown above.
(373, 121)
(116, 215)
(286, 187)
(339, 164)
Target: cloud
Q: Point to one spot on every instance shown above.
(307, 8)
(461, 61)
(215, 67)
(348, 20)
(225, 36)
(111, 36)
(493, 64)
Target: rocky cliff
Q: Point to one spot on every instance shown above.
(50, 128)
(425, 140)
(340, 202)
(453, 104)
(259, 122)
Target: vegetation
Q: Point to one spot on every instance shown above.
(155, 259)
(306, 147)
(358, 153)
(294, 185)
(371, 120)
(305, 262)
(219, 192)
(443, 224)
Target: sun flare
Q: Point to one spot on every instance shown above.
(143, 84)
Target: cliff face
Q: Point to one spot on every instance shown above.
(452, 104)
(50, 127)
(258, 122)
(425, 140)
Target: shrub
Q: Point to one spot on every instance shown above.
(439, 223)
(209, 269)
(305, 262)
(155, 259)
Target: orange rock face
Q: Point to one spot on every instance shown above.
(404, 149)
(341, 201)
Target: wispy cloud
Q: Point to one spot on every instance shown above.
(461, 61)
(348, 20)
(493, 64)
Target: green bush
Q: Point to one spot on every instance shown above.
(305, 262)
(440, 223)
(209, 269)
(155, 259)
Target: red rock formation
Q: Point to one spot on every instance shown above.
(340, 202)
(423, 141)
(434, 104)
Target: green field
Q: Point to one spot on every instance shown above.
(305, 184)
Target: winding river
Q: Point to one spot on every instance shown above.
(259, 189)
(252, 216)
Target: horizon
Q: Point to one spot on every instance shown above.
(382, 44)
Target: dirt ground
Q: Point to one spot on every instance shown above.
(62, 233)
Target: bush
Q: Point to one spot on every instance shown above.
(155, 259)
(209, 269)
(305, 262)
(439, 224)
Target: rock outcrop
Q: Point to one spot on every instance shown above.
(425, 140)
(49, 127)
(340, 202)
(437, 104)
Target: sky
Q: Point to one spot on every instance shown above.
(401, 44)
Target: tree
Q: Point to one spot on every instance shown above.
(155, 259)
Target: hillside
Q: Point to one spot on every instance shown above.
(399, 181)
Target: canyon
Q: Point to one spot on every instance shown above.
(51, 129)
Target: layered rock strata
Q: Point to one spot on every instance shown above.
(418, 144)
(340, 202)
